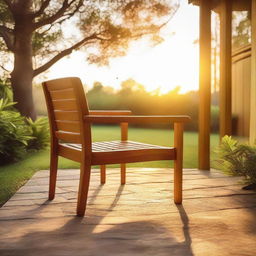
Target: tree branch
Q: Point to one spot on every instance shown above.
(62, 54)
(5, 69)
(65, 6)
(7, 35)
(54, 17)
(9, 4)
(44, 5)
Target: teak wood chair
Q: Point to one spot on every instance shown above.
(70, 125)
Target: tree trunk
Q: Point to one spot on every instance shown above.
(21, 81)
(22, 74)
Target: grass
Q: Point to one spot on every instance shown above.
(13, 176)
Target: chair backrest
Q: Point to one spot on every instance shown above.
(67, 105)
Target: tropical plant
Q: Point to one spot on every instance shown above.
(39, 132)
(241, 29)
(5, 90)
(237, 159)
(14, 133)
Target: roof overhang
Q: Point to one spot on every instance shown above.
(238, 5)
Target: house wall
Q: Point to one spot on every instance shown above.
(241, 80)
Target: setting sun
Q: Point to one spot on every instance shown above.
(172, 63)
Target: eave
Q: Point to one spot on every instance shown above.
(238, 5)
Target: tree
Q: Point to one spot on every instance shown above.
(241, 29)
(34, 33)
(130, 86)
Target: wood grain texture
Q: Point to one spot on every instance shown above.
(62, 94)
(66, 115)
(68, 126)
(69, 136)
(178, 162)
(204, 86)
(110, 112)
(66, 104)
(252, 135)
(124, 137)
(225, 67)
(102, 174)
(136, 119)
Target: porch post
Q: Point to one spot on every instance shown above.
(225, 67)
(205, 85)
(252, 135)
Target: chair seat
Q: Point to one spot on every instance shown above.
(110, 152)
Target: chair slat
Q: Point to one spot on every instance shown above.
(69, 136)
(62, 94)
(59, 84)
(69, 153)
(66, 115)
(69, 104)
(68, 126)
(132, 156)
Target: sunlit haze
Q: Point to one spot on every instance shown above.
(175, 62)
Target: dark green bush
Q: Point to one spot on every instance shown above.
(18, 135)
(39, 132)
(237, 159)
(5, 90)
(14, 133)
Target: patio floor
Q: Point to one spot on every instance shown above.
(140, 218)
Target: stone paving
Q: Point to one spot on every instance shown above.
(139, 218)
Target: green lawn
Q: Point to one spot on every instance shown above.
(15, 175)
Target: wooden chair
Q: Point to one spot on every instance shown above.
(70, 125)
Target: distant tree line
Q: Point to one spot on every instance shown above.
(133, 96)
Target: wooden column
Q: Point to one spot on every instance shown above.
(252, 135)
(205, 85)
(225, 67)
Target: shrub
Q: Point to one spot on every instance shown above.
(5, 90)
(39, 132)
(14, 133)
(18, 135)
(237, 159)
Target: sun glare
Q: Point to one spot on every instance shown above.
(175, 62)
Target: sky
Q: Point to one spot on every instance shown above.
(175, 62)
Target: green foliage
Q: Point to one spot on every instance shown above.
(42, 42)
(242, 30)
(237, 159)
(14, 133)
(5, 14)
(49, 30)
(134, 97)
(39, 132)
(5, 90)
(18, 135)
(107, 26)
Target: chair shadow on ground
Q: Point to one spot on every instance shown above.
(87, 236)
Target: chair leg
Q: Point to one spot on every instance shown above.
(178, 168)
(85, 173)
(177, 182)
(102, 174)
(53, 175)
(123, 174)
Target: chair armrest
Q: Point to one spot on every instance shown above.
(110, 119)
(123, 125)
(110, 112)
